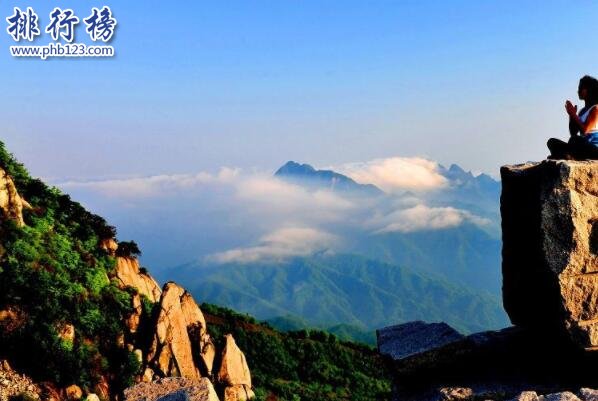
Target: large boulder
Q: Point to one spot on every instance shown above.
(550, 247)
(233, 366)
(181, 345)
(234, 373)
(129, 275)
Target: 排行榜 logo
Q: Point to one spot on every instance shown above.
(62, 27)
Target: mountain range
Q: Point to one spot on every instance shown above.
(449, 273)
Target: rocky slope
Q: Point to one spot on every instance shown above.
(79, 315)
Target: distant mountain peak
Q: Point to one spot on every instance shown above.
(455, 168)
(292, 168)
(305, 174)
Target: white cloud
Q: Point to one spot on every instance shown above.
(397, 174)
(280, 244)
(422, 217)
(144, 187)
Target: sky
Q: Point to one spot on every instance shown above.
(196, 86)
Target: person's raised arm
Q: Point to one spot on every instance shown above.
(583, 127)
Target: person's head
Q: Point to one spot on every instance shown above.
(588, 89)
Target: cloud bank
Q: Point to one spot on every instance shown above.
(235, 216)
(280, 244)
(397, 174)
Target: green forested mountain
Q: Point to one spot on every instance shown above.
(327, 290)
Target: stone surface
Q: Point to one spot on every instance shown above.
(11, 203)
(172, 389)
(13, 383)
(233, 366)
(563, 396)
(456, 393)
(109, 245)
(588, 394)
(208, 353)
(550, 247)
(412, 338)
(238, 393)
(92, 397)
(73, 392)
(526, 396)
(128, 274)
(171, 352)
(134, 318)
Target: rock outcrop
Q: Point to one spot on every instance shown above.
(171, 352)
(174, 342)
(234, 373)
(550, 247)
(11, 203)
(129, 274)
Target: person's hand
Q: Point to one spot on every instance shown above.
(571, 109)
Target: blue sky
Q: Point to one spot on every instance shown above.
(251, 84)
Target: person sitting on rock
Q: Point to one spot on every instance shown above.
(583, 127)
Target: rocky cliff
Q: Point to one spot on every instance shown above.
(173, 341)
(550, 247)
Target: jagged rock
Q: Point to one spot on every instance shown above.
(201, 342)
(412, 338)
(588, 394)
(73, 392)
(128, 274)
(238, 393)
(456, 393)
(11, 203)
(526, 396)
(233, 367)
(172, 389)
(564, 396)
(208, 353)
(550, 247)
(171, 352)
